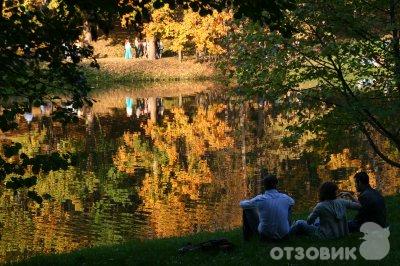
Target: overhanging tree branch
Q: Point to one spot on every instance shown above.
(376, 149)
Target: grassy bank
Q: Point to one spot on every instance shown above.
(165, 251)
(120, 71)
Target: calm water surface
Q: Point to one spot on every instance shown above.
(157, 164)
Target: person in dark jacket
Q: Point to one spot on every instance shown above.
(373, 207)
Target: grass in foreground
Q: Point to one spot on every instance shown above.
(165, 251)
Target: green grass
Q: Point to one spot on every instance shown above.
(165, 251)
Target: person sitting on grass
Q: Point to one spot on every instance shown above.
(268, 214)
(331, 213)
(373, 208)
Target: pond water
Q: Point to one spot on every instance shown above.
(157, 163)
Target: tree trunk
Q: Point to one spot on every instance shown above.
(151, 49)
(153, 109)
(87, 34)
(180, 55)
(242, 124)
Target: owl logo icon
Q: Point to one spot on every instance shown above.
(376, 241)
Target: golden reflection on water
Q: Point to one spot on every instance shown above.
(174, 166)
(175, 153)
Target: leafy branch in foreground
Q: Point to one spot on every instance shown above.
(339, 70)
(20, 171)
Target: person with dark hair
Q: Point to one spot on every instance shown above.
(268, 214)
(373, 208)
(331, 213)
(160, 48)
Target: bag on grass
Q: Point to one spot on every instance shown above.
(221, 244)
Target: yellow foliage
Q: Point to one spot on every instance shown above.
(183, 145)
(187, 28)
(128, 157)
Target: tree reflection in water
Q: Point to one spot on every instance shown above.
(171, 166)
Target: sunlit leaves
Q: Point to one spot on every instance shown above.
(185, 29)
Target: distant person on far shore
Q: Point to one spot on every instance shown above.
(373, 207)
(145, 47)
(267, 215)
(160, 48)
(140, 49)
(139, 108)
(128, 50)
(136, 43)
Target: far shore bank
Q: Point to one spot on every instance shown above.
(120, 71)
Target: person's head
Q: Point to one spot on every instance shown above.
(270, 181)
(362, 181)
(327, 191)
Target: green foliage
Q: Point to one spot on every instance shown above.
(338, 71)
(20, 171)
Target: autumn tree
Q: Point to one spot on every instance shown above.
(187, 29)
(208, 31)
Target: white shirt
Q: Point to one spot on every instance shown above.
(273, 212)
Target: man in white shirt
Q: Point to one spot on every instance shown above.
(267, 214)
